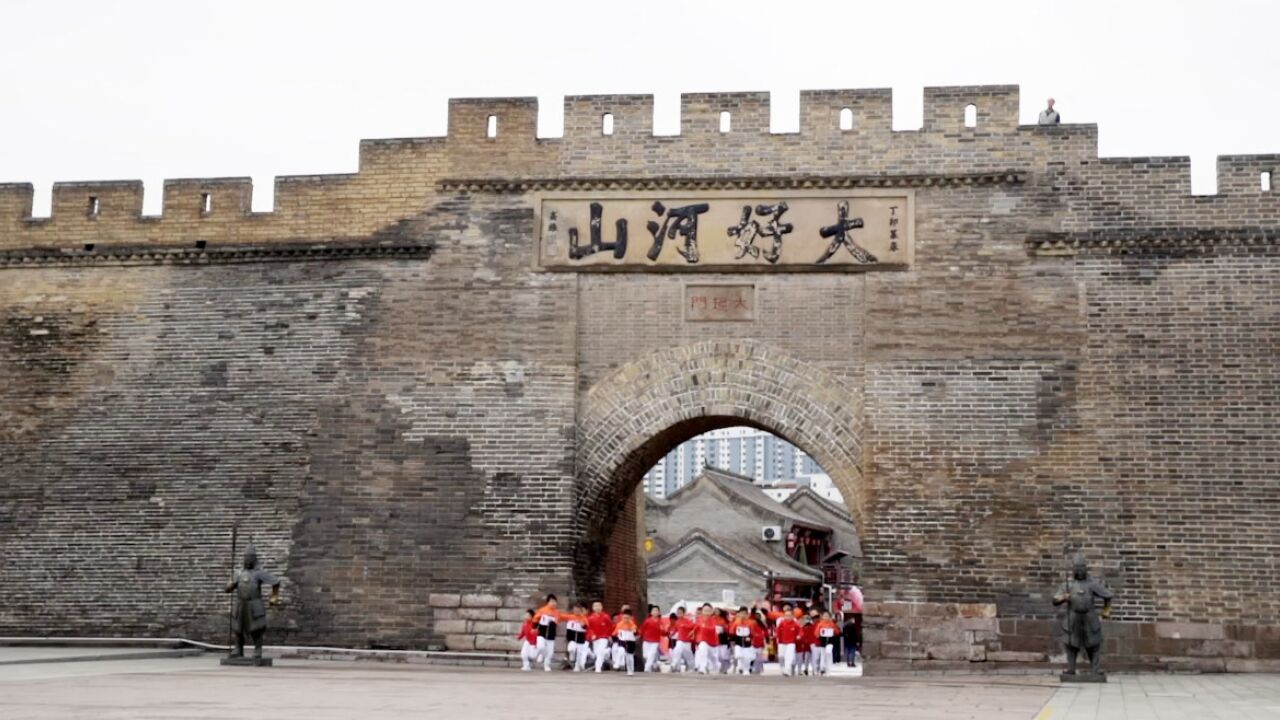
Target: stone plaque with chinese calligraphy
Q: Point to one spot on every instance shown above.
(704, 303)
(732, 231)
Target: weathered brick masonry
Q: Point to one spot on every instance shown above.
(422, 431)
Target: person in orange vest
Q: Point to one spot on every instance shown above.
(528, 641)
(625, 632)
(804, 646)
(827, 631)
(740, 633)
(651, 637)
(599, 631)
(575, 635)
(787, 631)
(547, 619)
(707, 633)
(617, 652)
(682, 650)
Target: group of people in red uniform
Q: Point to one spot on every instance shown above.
(710, 641)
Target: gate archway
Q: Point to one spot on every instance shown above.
(633, 416)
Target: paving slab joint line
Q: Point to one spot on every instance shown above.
(141, 655)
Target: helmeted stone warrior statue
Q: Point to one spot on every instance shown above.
(1081, 622)
(248, 612)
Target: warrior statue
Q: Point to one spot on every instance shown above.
(248, 613)
(1081, 623)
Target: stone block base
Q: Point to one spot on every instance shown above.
(247, 661)
(1082, 678)
(934, 634)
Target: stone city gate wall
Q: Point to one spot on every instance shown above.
(422, 428)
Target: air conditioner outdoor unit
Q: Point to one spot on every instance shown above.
(771, 533)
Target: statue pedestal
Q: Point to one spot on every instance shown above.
(1083, 678)
(247, 661)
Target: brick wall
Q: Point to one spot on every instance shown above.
(624, 562)
(423, 433)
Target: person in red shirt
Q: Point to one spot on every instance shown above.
(625, 632)
(599, 631)
(758, 637)
(707, 634)
(804, 646)
(787, 631)
(682, 650)
(528, 641)
(826, 631)
(547, 618)
(668, 633)
(651, 637)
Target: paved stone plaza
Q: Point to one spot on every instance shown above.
(197, 687)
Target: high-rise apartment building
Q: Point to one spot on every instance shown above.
(765, 457)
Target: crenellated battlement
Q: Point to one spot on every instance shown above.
(722, 134)
(996, 108)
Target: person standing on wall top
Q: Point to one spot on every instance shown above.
(1049, 116)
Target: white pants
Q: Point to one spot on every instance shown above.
(580, 656)
(802, 662)
(757, 660)
(787, 657)
(703, 659)
(726, 658)
(546, 648)
(528, 655)
(619, 659)
(600, 646)
(650, 650)
(743, 658)
(822, 658)
(681, 653)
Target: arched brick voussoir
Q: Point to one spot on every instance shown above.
(677, 391)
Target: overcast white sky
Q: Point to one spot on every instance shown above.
(149, 90)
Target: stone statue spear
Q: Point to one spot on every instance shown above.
(1066, 553)
(231, 630)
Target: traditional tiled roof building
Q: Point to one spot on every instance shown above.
(722, 539)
